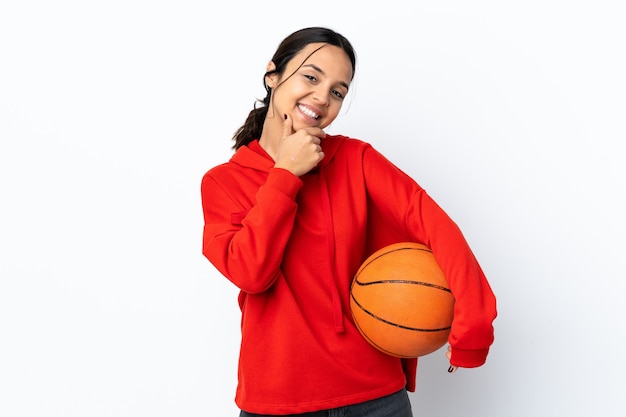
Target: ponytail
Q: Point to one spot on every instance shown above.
(253, 126)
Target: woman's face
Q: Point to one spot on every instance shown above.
(311, 92)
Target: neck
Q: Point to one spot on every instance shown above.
(269, 139)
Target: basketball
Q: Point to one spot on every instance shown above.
(400, 301)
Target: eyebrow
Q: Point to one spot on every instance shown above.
(318, 69)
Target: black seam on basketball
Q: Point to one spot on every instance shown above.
(379, 347)
(386, 253)
(416, 329)
(403, 281)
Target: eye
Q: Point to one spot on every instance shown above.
(311, 78)
(338, 94)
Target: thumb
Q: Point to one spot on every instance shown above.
(287, 126)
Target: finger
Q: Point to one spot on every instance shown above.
(316, 133)
(452, 368)
(287, 126)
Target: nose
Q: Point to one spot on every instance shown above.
(320, 94)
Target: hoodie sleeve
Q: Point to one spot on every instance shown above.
(405, 205)
(244, 241)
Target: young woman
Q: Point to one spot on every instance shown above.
(291, 217)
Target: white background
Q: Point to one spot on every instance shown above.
(511, 115)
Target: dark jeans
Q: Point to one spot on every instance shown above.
(394, 405)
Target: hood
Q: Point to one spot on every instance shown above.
(255, 157)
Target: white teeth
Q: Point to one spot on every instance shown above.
(308, 112)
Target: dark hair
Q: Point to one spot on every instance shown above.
(288, 48)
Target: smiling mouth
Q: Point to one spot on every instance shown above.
(309, 112)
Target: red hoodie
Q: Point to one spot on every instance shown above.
(292, 246)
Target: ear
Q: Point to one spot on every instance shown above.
(271, 79)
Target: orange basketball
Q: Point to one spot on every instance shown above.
(401, 302)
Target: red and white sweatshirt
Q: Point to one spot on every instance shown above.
(292, 246)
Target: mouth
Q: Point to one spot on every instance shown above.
(308, 112)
